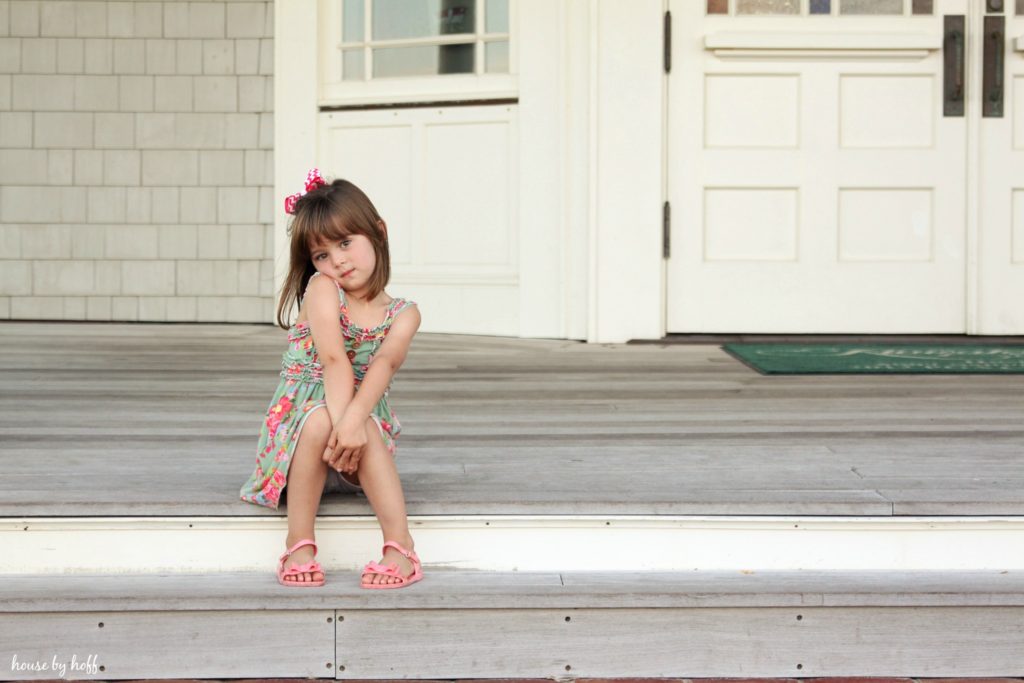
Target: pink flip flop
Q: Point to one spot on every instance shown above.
(300, 569)
(392, 569)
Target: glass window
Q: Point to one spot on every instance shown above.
(352, 21)
(398, 19)
(871, 7)
(497, 16)
(423, 60)
(352, 64)
(497, 57)
(768, 7)
(409, 38)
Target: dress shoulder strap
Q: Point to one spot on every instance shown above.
(341, 292)
(400, 305)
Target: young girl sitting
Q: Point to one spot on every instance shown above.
(339, 266)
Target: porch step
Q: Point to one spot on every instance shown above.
(509, 543)
(473, 624)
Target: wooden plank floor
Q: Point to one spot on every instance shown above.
(467, 589)
(150, 419)
(551, 625)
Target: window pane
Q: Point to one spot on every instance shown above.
(496, 57)
(922, 7)
(423, 60)
(456, 59)
(1020, 8)
(871, 7)
(352, 65)
(768, 7)
(496, 16)
(458, 16)
(821, 7)
(352, 21)
(393, 19)
(718, 6)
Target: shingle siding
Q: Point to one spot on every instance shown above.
(135, 160)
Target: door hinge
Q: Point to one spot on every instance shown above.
(666, 224)
(667, 42)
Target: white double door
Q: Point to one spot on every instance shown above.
(817, 186)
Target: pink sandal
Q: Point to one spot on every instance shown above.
(392, 569)
(298, 570)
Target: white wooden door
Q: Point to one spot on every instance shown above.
(1001, 181)
(815, 184)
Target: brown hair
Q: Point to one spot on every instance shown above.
(331, 212)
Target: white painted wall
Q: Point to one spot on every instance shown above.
(295, 125)
(626, 270)
(445, 181)
(589, 166)
(543, 159)
(590, 118)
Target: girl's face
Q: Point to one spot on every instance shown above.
(350, 261)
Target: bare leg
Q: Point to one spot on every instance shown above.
(306, 476)
(378, 476)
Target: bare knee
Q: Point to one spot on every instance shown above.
(374, 440)
(319, 421)
(316, 429)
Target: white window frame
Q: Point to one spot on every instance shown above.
(334, 91)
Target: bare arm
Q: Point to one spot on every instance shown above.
(350, 434)
(385, 364)
(339, 380)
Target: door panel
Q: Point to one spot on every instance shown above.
(816, 185)
(1001, 184)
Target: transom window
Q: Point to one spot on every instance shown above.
(824, 7)
(413, 38)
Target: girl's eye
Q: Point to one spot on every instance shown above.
(345, 242)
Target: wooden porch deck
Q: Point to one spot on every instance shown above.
(124, 446)
(477, 625)
(151, 419)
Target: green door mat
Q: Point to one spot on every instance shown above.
(929, 359)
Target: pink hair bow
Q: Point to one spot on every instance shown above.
(313, 181)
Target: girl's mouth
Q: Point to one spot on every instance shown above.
(348, 273)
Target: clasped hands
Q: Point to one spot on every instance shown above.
(346, 443)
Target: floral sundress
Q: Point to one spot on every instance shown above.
(301, 391)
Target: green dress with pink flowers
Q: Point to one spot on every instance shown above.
(301, 391)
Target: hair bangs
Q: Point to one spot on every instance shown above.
(327, 226)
